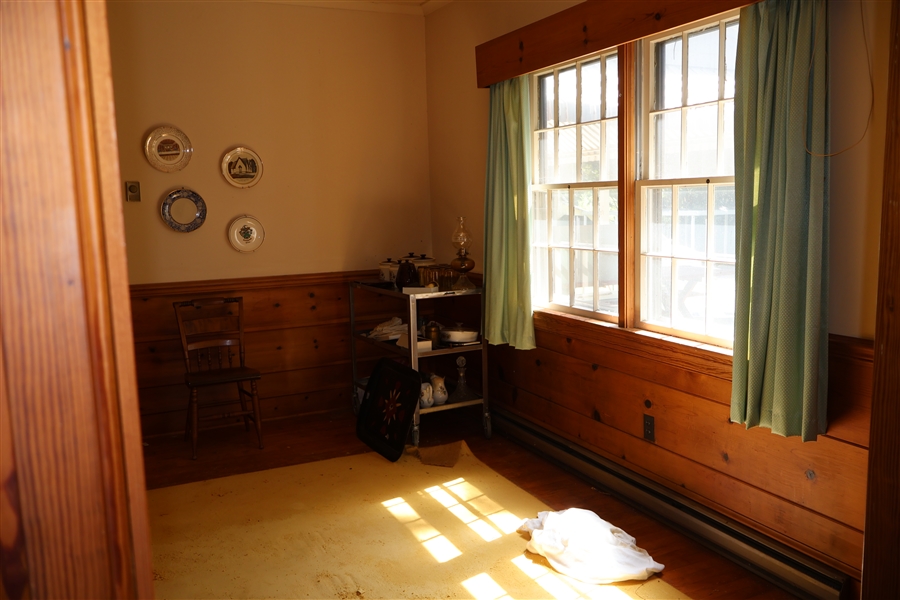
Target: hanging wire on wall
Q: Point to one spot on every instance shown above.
(862, 23)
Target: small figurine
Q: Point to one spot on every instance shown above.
(438, 390)
(426, 399)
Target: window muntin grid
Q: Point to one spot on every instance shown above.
(575, 197)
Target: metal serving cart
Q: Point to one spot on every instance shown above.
(412, 352)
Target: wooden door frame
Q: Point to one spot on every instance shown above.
(73, 504)
(881, 551)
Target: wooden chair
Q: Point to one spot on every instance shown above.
(212, 336)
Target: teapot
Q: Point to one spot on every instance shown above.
(407, 275)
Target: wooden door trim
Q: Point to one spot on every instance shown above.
(881, 553)
(117, 305)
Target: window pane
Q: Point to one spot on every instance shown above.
(701, 141)
(545, 157)
(591, 91)
(560, 215)
(540, 276)
(690, 299)
(656, 293)
(566, 171)
(723, 222)
(583, 271)
(731, 36)
(703, 66)
(612, 86)
(584, 219)
(721, 301)
(665, 144)
(567, 96)
(561, 276)
(658, 219)
(545, 102)
(539, 218)
(692, 215)
(608, 291)
(590, 152)
(668, 74)
(610, 170)
(728, 140)
(608, 219)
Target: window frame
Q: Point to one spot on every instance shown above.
(643, 181)
(633, 140)
(571, 187)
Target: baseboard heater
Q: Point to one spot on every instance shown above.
(794, 572)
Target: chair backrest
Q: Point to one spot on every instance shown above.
(212, 333)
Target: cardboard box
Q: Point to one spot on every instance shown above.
(423, 345)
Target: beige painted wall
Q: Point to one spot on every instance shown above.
(458, 111)
(332, 100)
(856, 175)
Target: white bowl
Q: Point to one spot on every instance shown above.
(457, 335)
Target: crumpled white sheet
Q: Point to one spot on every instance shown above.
(580, 544)
(389, 330)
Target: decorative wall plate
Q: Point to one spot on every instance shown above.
(187, 195)
(168, 149)
(242, 167)
(246, 234)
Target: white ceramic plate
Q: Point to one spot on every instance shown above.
(168, 149)
(242, 167)
(246, 234)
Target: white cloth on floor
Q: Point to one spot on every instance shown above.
(580, 544)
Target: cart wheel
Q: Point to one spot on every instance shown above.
(415, 437)
(487, 426)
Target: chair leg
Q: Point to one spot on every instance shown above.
(257, 414)
(195, 420)
(187, 417)
(240, 386)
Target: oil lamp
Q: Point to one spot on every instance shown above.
(462, 264)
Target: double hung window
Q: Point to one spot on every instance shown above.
(575, 245)
(682, 264)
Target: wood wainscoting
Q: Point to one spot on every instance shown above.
(592, 384)
(297, 330)
(588, 382)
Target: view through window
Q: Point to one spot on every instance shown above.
(684, 189)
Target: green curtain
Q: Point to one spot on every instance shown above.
(507, 247)
(781, 191)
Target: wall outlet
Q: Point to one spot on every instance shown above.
(649, 429)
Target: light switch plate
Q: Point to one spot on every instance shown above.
(132, 191)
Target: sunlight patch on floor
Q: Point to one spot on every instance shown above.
(482, 587)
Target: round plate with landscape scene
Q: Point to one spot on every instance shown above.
(242, 167)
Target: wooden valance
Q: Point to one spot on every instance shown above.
(585, 28)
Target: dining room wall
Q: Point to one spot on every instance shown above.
(334, 103)
(458, 110)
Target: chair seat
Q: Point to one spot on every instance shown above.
(232, 375)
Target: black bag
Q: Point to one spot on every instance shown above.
(388, 407)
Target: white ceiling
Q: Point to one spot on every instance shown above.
(409, 7)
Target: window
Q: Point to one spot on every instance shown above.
(684, 210)
(575, 230)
